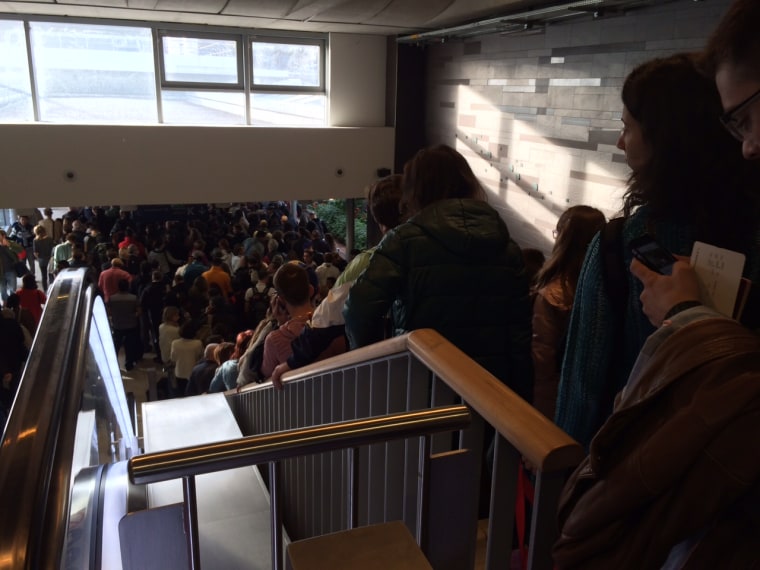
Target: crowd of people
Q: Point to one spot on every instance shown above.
(659, 388)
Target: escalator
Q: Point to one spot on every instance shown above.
(67, 439)
(63, 460)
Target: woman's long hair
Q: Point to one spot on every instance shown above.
(696, 172)
(575, 229)
(437, 173)
(241, 343)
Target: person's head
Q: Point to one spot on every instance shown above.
(575, 229)
(156, 276)
(188, 330)
(13, 302)
(292, 284)
(216, 258)
(438, 173)
(223, 352)
(48, 212)
(534, 260)
(28, 281)
(733, 58)
(678, 151)
(200, 284)
(208, 352)
(276, 263)
(308, 256)
(384, 199)
(40, 232)
(170, 314)
(216, 303)
(117, 262)
(241, 343)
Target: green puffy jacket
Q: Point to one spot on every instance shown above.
(453, 268)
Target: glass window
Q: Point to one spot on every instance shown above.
(203, 107)
(89, 73)
(15, 89)
(201, 60)
(291, 109)
(287, 65)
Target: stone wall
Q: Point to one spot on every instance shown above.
(537, 114)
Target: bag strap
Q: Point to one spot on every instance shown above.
(615, 278)
(614, 271)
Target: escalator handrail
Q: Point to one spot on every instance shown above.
(38, 441)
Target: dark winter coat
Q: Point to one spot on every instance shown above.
(452, 267)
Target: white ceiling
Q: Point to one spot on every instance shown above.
(384, 17)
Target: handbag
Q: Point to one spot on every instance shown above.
(20, 268)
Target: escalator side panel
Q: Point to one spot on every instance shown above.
(154, 539)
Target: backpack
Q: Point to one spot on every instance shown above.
(258, 305)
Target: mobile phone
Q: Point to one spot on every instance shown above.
(646, 249)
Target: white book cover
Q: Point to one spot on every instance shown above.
(720, 272)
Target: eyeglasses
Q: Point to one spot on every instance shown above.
(737, 120)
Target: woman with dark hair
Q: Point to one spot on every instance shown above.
(554, 294)
(688, 183)
(452, 267)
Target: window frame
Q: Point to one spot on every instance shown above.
(162, 33)
(287, 89)
(244, 38)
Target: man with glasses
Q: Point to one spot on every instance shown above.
(733, 57)
(673, 477)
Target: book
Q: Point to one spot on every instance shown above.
(720, 275)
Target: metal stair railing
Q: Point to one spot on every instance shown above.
(187, 463)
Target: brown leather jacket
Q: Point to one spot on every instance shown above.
(678, 459)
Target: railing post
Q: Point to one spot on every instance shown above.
(276, 514)
(501, 517)
(422, 489)
(548, 489)
(353, 492)
(191, 521)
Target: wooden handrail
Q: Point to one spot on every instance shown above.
(538, 439)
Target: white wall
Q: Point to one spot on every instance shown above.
(173, 164)
(357, 80)
(167, 164)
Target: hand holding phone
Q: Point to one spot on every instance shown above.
(646, 249)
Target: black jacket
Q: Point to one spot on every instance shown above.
(452, 267)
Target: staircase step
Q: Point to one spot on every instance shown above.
(374, 547)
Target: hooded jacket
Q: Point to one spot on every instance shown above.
(677, 463)
(452, 267)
